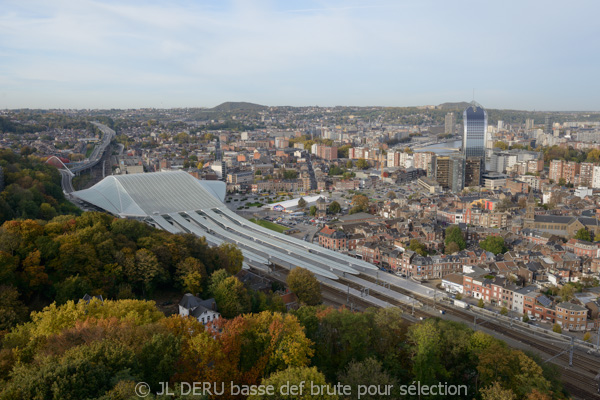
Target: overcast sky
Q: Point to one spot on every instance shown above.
(541, 55)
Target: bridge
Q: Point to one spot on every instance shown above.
(68, 172)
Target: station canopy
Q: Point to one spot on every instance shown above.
(155, 193)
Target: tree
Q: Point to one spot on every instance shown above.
(143, 269)
(12, 310)
(597, 237)
(493, 244)
(417, 247)
(313, 210)
(301, 203)
(360, 203)
(367, 372)
(501, 145)
(583, 234)
(230, 257)
(525, 317)
(304, 284)
(587, 337)
(480, 303)
(191, 275)
(451, 248)
(566, 292)
(349, 164)
(562, 181)
(334, 207)
(361, 163)
(391, 195)
(72, 288)
(455, 235)
(232, 297)
(293, 377)
(497, 392)
(556, 328)
(504, 311)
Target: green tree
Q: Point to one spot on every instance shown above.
(525, 318)
(334, 207)
(455, 235)
(12, 310)
(493, 244)
(391, 195)
(232, 297)
(304, 284)
(587, 337)
(583, 234)
(230, 258)
(313, 210)
(349, 164)
(361, 163)
(417, 247)
(480, 303)
(556, 328)
(504, 311)
(72, 288)
(367, 372)
(301, 203)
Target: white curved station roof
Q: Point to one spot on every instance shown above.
(156, 193)
(171, 201)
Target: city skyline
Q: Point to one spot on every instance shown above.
(104, 54)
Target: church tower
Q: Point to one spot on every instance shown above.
(529, 221)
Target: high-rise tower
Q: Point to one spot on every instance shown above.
(475, 131)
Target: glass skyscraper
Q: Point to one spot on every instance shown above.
(475, 123)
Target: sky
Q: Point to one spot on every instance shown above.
(529, 55)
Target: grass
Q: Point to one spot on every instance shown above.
(269, 225)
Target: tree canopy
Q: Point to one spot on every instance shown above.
(493, 244)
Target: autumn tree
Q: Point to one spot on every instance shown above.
(566, 292)
(451, 248)
(391, 195)
(294, 377)
(303, 283)
(191, 275)
(360, 203)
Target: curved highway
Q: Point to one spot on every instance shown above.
(95, 157)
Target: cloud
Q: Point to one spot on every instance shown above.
(326, 52)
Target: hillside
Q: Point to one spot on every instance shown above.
(238, 106)
(454, 106)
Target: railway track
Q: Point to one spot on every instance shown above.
(578, 379)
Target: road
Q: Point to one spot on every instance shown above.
(95, 157)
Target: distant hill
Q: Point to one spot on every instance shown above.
(238, 105)
(454, 106)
